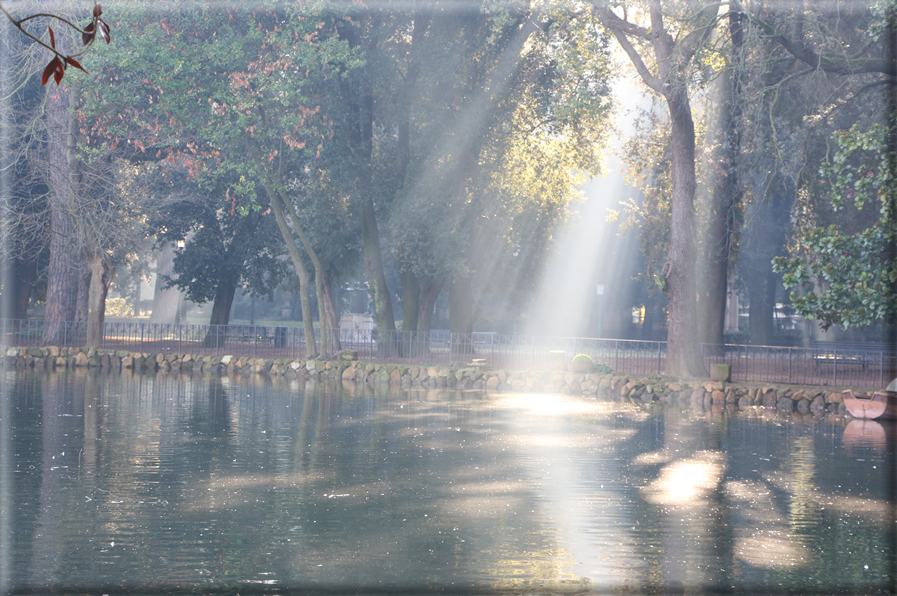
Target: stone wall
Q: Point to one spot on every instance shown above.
(701, 394)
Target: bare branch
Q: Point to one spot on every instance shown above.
(621, 29)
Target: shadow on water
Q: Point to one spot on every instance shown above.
(170, 482)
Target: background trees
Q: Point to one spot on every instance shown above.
(436, 149)
(785, 79)
(457, 137)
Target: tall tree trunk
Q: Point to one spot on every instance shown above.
(761, 313)
(320, 274)
(672, 56)
(221, 307)
(65, 254)
(683, 348)
(100, 278)
(727, 196)
(373, 264)
(370, 232)
(21, 279)
(83, 302)
(410, 301)
(428, 296)
(311, 346)
(330, 313)
(410, 312)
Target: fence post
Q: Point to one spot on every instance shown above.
(835, 369)
(789, 364)
(451, 347)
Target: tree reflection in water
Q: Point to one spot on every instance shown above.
(175, 482)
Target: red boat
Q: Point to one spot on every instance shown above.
(880, 405)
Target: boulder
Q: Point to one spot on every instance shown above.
(785, 404)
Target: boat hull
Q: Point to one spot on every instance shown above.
(881, 405)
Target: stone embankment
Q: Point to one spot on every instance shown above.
(699, 393)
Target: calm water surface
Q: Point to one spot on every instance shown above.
(120, 481)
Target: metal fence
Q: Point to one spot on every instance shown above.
(212, 340)
(872, 366)
(502, 351)
(858, 366)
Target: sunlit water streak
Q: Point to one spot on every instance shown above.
(176, 482)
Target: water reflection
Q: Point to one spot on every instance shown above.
(870, 434)
(173, 482)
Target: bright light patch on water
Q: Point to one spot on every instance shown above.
(686, 482)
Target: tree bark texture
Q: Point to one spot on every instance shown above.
(100, 278)
(320, 275)
(410, 301)
(330, 312)
(726, 200)
(373, 264)
(19, 280)
(311, 345)
(683, 349)
(672, 57)
(428, 296)
(221, 307)
(83, 302)
(65, 255)
(761, 313)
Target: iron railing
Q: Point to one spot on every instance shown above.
(871, 366)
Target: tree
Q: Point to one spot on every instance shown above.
(222, 249)
(490, 109)
(51, 147)
(25, 218)
(672, 54)
(719, 238)
(851, 278)
(231, 98)
(812, 73)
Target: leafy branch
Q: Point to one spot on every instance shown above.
(62, 60)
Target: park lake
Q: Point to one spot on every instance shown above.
(171, 482)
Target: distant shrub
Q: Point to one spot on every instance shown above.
(583, 363)
(602, 367)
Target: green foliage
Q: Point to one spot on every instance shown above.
(884, 17)
(850, 280)
(234, 246)
(234, 102)
(496, 163)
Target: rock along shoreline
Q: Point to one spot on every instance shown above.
(702, 394)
